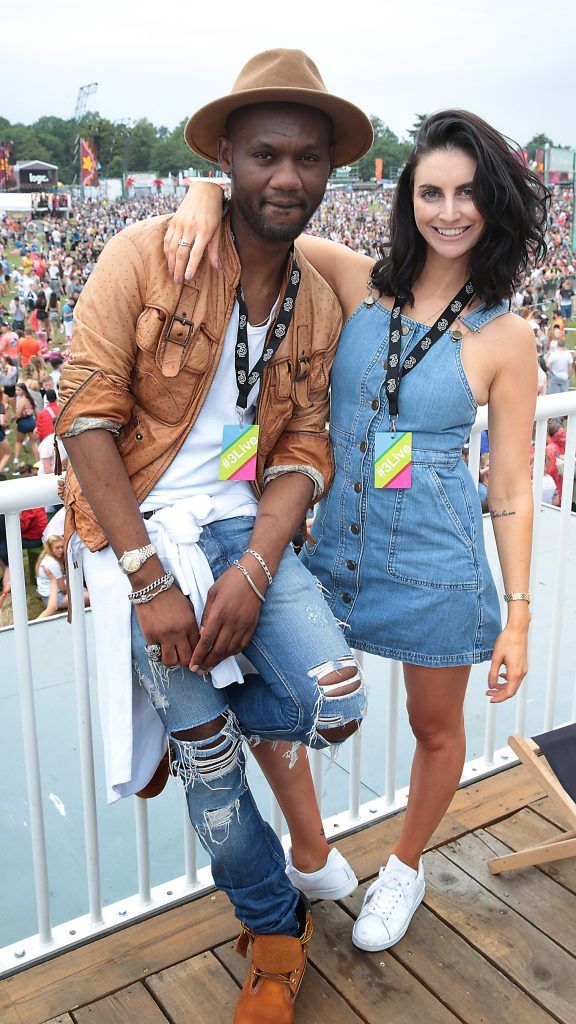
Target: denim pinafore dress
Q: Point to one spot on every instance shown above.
(405, 571)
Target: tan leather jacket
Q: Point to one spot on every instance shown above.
(145, 351)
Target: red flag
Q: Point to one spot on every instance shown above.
(88, 162)
(4, 166)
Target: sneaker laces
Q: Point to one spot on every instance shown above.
(386, 897)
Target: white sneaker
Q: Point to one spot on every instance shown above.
(332, 882)
(389, 905)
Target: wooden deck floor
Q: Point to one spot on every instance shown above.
(482, 949)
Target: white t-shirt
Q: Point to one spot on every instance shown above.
(548, 489)
(46, 451)
(196, 467)
(559, 362)
(43, 584)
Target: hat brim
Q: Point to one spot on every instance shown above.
(353, 133)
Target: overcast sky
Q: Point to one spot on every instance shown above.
(511, 61)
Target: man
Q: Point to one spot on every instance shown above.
(68, 317)
(160, 399)
(28, 346)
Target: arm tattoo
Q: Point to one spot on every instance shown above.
(501, 515)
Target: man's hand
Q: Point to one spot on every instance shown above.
(230, 617)
(169, 620)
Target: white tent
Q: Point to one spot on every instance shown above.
(15, 202)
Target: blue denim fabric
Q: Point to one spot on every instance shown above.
(296, 642)
(405, 570)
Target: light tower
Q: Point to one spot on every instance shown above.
(83, 93)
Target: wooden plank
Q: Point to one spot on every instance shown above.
(527, 828)
(525, 955)
(472, 807)
(530, 893)
(545, 808)
(376, 985)
(473, 988)
(132, 1005)
(64, 1018)
(317, 1000)
(8, 1012)
(106, 965)
(198, 991)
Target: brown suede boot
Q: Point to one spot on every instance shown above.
(158, 781)
(275, 975)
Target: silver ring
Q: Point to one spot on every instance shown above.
(187, 244)
(154, 652)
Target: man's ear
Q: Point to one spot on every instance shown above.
(225, 153)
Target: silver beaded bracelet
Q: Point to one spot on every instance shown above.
(258, 557)
(152, 590)
(249, 579)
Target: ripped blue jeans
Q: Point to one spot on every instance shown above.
(296, 644)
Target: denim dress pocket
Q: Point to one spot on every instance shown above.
(432, 533)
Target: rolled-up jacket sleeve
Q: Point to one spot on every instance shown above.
(304, 446)
(95, 381)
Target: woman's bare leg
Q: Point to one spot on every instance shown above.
(435, 708)
(294, 791)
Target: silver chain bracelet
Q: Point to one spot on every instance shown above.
(249, 579)
(258, 557)
(152, 590)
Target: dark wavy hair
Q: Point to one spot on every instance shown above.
(512, 200)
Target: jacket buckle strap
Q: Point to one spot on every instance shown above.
(180, 337)
(302, 368)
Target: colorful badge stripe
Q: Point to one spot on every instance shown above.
(239, 451)
(393, 462)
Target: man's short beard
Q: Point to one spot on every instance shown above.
(262, 227)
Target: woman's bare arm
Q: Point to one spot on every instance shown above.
(511, 406)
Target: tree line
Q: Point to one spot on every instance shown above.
(126, 148)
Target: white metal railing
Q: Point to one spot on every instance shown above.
(17, 495)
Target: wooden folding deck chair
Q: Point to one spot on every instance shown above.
(551, 758)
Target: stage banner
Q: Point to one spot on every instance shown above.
(88, 162)
(4, 166)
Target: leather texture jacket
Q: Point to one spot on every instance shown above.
(145, 352)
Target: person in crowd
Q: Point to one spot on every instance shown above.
(403, 563)
(565, 294)
(25, 422)
(560, 363)
(28, 346)
(53, 317)
(178, 487)
(4, 446)
(51, 563)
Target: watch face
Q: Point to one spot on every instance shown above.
(131, 561)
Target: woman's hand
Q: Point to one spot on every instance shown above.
(510, 654)
(197, 221)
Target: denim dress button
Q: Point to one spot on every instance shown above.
(346, 598)
(362, 446)
(357, 488)
(350, 565)
(354, 529)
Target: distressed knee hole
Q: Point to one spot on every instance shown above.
(338, 714)
(206, 753)
(337, 678)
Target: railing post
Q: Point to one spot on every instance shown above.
(392, 734)
(86, 746)
(30, 733)
(561, 572)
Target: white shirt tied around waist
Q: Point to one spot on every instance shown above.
(133, 733)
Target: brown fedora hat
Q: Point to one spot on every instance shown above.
(281, 76)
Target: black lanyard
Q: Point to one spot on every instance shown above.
(396, 370)
(246, 378)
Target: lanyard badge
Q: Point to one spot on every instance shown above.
(393, 461)
(393, 451)
(238, 455)
(239, 452)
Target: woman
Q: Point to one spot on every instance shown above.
(25, 421)
(4, 446)
(405, 567)
(53, 317)
(51, 561)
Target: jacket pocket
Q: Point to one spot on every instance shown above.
(431, 538)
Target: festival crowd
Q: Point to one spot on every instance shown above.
(44, 265)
